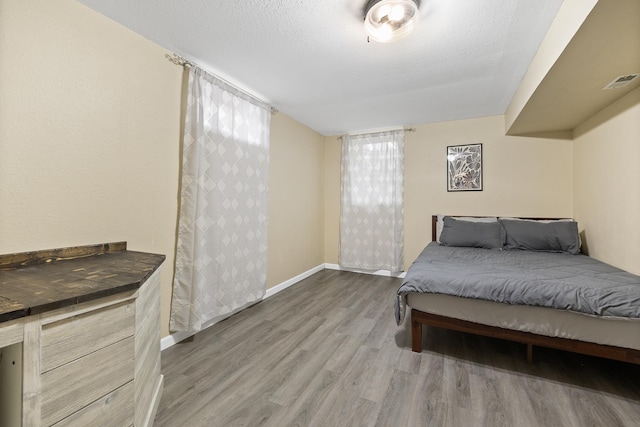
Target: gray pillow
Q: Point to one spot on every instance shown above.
(556, 236)
(487, 235)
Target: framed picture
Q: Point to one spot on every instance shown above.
(464, 167)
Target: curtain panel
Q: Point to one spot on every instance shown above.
(371, 219)
(221, 256)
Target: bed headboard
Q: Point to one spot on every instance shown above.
(434, 226)
(434, 222)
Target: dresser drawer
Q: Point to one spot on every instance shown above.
(66, 340)
(114, 409)
(73, 386)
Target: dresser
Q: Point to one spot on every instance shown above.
(80, 337)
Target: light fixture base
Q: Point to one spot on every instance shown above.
(390, 20)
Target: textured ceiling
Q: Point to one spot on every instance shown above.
(311, 60)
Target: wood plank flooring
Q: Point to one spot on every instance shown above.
(327, 352)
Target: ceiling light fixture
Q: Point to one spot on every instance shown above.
(390, 20)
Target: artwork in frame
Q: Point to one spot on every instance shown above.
(464, 167)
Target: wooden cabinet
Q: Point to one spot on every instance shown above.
(84, 358)
(92, 363)
(147, 377)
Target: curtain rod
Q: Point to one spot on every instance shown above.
(183, 62)
(373, 133)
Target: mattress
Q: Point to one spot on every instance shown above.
(615, 331)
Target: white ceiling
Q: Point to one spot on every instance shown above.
(311, 60)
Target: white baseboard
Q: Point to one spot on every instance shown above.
(284, 285)
(175, 338)
(385, 273)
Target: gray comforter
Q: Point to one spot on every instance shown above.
(567, 282)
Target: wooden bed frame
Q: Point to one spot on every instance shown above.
(420, 318)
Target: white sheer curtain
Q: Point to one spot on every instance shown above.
(371, 220)
(221, 258)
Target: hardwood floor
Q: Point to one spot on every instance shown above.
(327, 352)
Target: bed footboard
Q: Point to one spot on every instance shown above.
(419, 318)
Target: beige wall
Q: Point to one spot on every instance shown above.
(332, 154)
(522, 176)
(89, 128)
(89, 144)
(606, 178)
(296, 198)
(567, 22)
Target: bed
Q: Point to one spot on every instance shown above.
(524, 280)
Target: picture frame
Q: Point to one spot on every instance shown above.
(464, 167)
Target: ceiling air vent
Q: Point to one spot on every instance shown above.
(621, 81)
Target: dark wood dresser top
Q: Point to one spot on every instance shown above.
(36, 282)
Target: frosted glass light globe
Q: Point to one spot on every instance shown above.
(390, 20)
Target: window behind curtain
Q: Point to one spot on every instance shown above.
(221, 256)
(371, 220)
